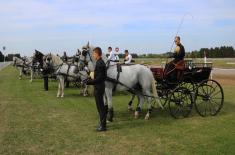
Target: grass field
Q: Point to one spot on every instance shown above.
(217, 62)
(33, 121)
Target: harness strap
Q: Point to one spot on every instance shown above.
(119, 69)
(131, 90)
(68, 68)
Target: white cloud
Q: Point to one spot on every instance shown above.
(32, 23)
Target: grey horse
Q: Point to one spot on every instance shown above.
(24, 65)
(62, 71)
(135, 78)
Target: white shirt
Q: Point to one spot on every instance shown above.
(111, 56)
(128, 59)
(117, 57)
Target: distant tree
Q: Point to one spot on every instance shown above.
(1, 57)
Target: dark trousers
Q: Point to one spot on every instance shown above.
(170, 72)
(99, 93)
(45, 79)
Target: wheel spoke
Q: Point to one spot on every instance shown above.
(213, 89)
(215, 102)
(213, 105)
(215, 93)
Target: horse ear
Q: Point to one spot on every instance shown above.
(88, 44)
(79, 52)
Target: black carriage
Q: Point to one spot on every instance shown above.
(191, 86)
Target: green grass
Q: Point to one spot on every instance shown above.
(218, 63)
(33, 121)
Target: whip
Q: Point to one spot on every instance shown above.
(178, 29)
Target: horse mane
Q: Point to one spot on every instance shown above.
(56, 59)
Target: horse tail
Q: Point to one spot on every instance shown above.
(154, 91)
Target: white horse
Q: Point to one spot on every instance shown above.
(24, 65)
(136, 78)
(63, 71)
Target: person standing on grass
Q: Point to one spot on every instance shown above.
(100, 74)
(45, 73)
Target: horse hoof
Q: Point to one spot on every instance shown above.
(58, 96)
(147, 116)
(62, 96)
(130, 108)
(136, 114)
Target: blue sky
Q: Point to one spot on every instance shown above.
(142, 26)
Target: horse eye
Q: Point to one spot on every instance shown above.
(84, 53)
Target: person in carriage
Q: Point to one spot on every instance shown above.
(128, 57)
(116, 54)
(172, 69)
(112, 56)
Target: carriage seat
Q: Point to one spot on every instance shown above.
(180, 66)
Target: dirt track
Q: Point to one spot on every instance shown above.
(220, 71)
(4, 64)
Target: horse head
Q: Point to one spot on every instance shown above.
(85, 57)
(38, 58)
(47, 61)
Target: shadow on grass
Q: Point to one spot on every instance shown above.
(124, 119)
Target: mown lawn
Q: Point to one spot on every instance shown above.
(218, 63)
(33, 121)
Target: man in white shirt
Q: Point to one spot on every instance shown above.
(128, 57)
(111, 56)
(116, 54)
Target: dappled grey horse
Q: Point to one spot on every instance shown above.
(62, 71)
(135, 78)
(24, 65)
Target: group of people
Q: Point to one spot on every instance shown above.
(114, 58)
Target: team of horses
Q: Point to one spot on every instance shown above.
(135, 78)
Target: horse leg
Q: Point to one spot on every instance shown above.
(20, 76)
(105, 103)
(62, 86)
(31, 72)
(130, 102)
(59, 87)
(110, 113)
(85, 90)
(147, 116)
(139, 106)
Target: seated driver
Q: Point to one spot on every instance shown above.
(178, 56)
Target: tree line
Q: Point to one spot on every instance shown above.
(217, 52)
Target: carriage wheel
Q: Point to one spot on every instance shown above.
(155, 103)
(209, 98)
(180, 102)
(189, 86)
